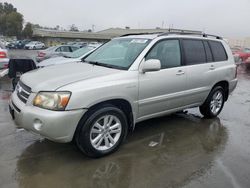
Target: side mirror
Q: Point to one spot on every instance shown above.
(151, 65)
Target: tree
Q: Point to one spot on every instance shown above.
(7, 8)
(11, 21)
(73, 28)
(27, 31)
(14, 24)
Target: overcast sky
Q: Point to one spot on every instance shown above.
(229, 18)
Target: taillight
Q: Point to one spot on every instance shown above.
(41, 54)
(3, 55)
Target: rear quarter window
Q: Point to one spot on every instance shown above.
(219, 52)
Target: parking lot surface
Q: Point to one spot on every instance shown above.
(180, 150)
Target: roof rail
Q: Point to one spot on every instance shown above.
(148, 33)
(190, 33)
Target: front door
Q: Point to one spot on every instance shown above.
(163, 90)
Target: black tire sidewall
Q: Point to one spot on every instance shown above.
(205, 108)
(83, 135)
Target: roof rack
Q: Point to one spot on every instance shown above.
(181, 32)
(190, 33)
(148, 33)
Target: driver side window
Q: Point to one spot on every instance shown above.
(168, 52)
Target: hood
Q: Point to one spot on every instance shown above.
(53, 77)
(56, 61)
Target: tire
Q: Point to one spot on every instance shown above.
(213, 104)
(94, 140)
(34, 48)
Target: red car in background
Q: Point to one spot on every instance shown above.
(4, 60)
(247, 63)
(243, 54)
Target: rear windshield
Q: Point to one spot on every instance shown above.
(80, 52)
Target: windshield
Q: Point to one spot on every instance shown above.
(119, 53)
(80, 52)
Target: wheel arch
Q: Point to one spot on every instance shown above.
(225, 85)
(120, 103)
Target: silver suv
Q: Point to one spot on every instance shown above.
(127, 80)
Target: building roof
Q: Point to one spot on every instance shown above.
(70, 34)
(101, 35)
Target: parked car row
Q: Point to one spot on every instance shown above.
(25, 44)
(17, 44)
(34, 45)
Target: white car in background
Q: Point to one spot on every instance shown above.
(4, 59)
(75, 56)
(34, 45)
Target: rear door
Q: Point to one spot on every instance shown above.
(200, 68)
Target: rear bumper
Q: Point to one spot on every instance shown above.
(232, 85)
(58, 126)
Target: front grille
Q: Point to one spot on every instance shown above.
(23, 91)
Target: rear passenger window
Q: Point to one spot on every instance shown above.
(208, 52)
(218, 51)
(194, 52)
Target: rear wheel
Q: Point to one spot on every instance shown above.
(214, 103)
(102, 132)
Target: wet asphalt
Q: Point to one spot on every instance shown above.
(180, 150)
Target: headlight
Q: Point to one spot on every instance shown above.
(52, 100)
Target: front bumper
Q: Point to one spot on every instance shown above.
(58, 126)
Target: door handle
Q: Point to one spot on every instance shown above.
(180, 72)
(212, 67)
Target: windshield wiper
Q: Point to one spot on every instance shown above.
(103, 64)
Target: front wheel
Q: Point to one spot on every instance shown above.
(102, 132)
(214, 103)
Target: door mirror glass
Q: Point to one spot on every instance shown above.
(151, 65)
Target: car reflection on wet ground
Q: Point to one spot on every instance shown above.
(180, 150)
